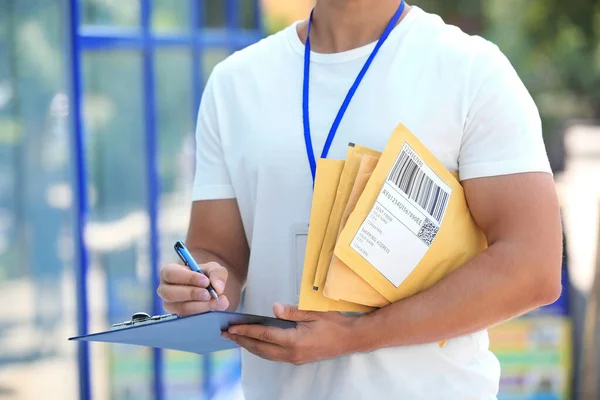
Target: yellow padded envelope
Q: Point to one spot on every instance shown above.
(342, 283)
(344, 187)
(411, 226)
(326, 183)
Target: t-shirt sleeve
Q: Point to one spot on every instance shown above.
(211, 179)
(503, 131)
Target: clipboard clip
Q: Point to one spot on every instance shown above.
(142, 318)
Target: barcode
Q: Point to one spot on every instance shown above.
(428, 232)
(412, 180)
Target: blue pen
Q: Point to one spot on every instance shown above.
(188, 260)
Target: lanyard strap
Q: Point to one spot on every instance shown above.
(336, 123)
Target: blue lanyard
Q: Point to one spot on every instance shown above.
(336, 123)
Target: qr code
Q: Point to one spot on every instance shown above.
(427, 232)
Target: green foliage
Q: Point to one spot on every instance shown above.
(553, 45)
(568, 35)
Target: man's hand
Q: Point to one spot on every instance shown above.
(218, 243)
(317, 336)
(184, 291)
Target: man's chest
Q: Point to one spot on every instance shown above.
(271, 136)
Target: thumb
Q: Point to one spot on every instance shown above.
(291, 313)
(217, 275)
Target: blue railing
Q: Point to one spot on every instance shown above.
(108, 38)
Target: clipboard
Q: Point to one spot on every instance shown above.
(199, 333)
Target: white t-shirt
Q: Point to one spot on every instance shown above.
(457, 93)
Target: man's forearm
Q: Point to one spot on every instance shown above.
(235, 283)
(491, 288)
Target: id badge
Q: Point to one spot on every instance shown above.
(299, 240)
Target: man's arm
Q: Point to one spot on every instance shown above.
(520, 270)
(216, 234)
(216, 239)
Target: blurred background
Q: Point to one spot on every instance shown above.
(98, 101)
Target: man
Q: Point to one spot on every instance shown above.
(253, 189)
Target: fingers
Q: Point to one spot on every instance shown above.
(282, 337)
(218, 275)
(292, 313)
(184, 291)
(179, 275)
(176, 293)
(184, 308)
(266, 350)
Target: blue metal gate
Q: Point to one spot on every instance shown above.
(85, 39)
